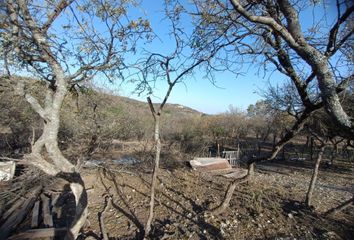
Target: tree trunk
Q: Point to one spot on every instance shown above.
(154, 174)
(296, 128)
(259, 146)
(218, 151)
(314, 177)
(311, 148)
(274, 141)
(230, 191)
(251, 170)
(334, 152)
(320, 66)
(307, 144)
(49, 141)
(81, 210)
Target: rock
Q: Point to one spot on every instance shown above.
(7, 170)
(290, 215)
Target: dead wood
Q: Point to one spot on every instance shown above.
(35, 215)
(47, 216)
(54, 198)
(13, 208)
(18, 215)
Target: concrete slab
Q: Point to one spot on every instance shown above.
(209, 164)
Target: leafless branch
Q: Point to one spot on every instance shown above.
(332, 46)
(56, 12)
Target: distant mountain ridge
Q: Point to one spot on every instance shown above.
(170, 108)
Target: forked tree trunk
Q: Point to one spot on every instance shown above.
(48, 141)
(230, 191)
(308, 199)
(154, 175)
(156, 115)
(23, 20)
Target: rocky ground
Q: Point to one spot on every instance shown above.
(268, 207)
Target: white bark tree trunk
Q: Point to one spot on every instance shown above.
(48, 141)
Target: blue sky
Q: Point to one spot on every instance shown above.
(199, 93)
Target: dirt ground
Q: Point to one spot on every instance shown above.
(268, 207)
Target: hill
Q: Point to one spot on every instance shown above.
(88, 113)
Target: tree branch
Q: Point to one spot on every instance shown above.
(152, 109)
(292, 20)
(20, 90)
(266, 21)
(38, 36)
(332, 38)
(13, 13)
(58, 9)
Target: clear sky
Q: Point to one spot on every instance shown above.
(199, 93)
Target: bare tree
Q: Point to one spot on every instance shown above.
(59, 45)
(172, 69)
(282, 30)
(320, 129)
(270, 33)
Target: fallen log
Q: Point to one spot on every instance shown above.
(35, 215)
(47, 216)
(18, 215)
(13, 208)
